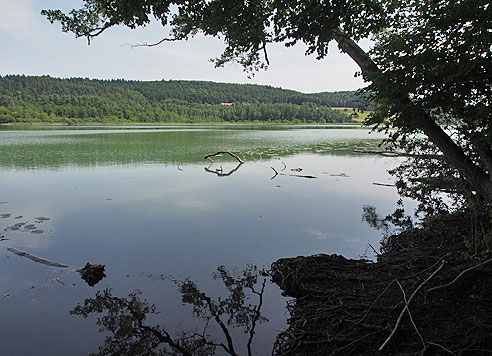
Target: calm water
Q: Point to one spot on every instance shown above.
(145, 203)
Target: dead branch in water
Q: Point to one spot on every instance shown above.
(383, 184)
(291, 175)
(276, 173)
(223, 152)
(36, 259)
(393, 153)
(91, 273)
(380, 152)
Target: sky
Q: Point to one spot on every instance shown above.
(33, 46)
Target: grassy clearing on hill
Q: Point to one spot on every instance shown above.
(358, 116)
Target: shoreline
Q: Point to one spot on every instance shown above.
(213, 123)
(357, 307)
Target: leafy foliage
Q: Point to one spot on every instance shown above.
(438, 53)
(245, 26)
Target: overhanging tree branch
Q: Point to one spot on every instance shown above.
(145, 44)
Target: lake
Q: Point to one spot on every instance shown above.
(145, 203)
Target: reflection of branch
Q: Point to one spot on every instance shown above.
(235, 306)
(216, 315)
(124, 318)
(256, 315)
(220, 171)
(163, 336)
(223, 152)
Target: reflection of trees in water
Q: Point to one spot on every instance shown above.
(129, 335)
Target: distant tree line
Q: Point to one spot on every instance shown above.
(52, 100)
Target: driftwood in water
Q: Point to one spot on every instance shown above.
(392, 153)
(383, 184)
(91, 273)
(223, 152)
(380, 152)
(291, 175)
(36, 259)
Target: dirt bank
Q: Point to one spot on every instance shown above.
(429, 293)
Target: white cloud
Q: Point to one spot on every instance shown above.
(16, 16)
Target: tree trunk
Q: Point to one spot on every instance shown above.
(479, 180)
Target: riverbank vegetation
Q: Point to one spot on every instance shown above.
(80, 101)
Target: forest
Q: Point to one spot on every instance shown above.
(43, 99)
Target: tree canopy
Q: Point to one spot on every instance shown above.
(434, 62)
(429, 71)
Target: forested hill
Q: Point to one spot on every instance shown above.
(76, 100)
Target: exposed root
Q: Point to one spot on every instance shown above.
(358, 307)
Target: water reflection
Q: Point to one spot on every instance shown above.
(140, 202)
(220, 170)
(390, 224)
(130, 334)
(94, 147)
